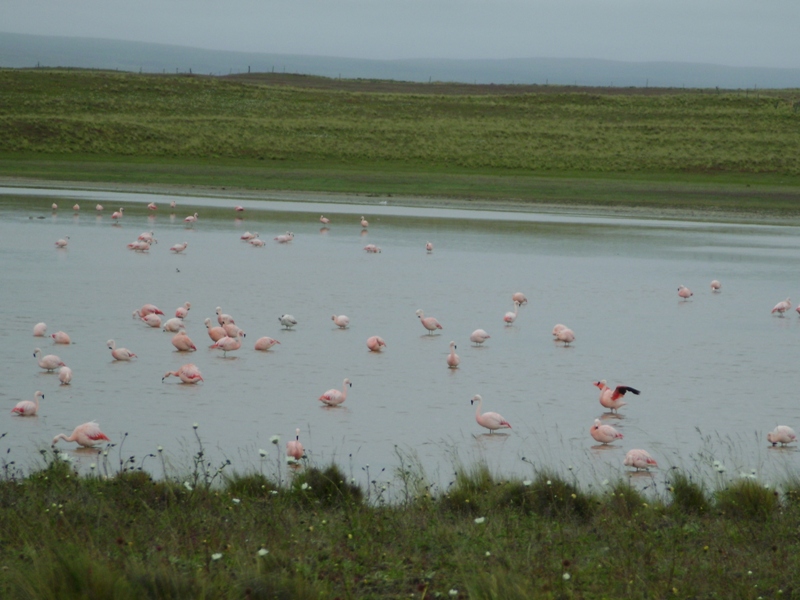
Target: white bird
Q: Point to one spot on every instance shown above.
(782, 306)
(173, 325)
(65, 375)
(478, 336)
(716, 286)
(288, 321)
(177, 248)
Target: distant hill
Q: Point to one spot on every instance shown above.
(21, 51)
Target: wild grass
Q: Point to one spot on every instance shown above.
(554, 147)
(316, 534)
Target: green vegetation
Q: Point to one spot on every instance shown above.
(674, 148)
(316, 534)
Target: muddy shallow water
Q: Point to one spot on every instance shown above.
(716, 372)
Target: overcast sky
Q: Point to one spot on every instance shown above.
(729, 32)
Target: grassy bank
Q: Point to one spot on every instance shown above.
(703, 149)
(318, 535)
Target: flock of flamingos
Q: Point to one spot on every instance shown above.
(228, 337)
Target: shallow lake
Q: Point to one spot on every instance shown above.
(716, 373)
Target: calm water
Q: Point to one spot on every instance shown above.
(716, 373)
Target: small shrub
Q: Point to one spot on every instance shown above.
(747, 499)
(688, 496)
(625, 499)
(328, 487)
(552, 496)
(468, 492)
(254, 485)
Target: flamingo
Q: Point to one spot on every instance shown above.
(54, 206)
(429, 323)
(173, 204)
(285, 238)
(76, 207)
(491, 420)
(246, 236)
(48, 362)
(478, 336)
(232, 330)
(62, 242)
(782, 306)
(565, 335)
(229, 344)
(99, 208)
(147, 236)
(39, 329)
(138, 246)
(215, 333)
(364, 223)
(148, 309)
(519, 297)
(782, 434)
(375, 343)
(510, 317)
(558, 327)
(187, 373)
(65, 375)
(640, 459)
(119, 353)
(116, 215)
(452, 359)
(152, 206)
(288, 321)
(265, 343)
(86, 435)
(716, 286)
(334, 397)
(257, 243)
(238, 208)
(429, 247)
(605, 434)
(324, 220)
(182, 342)
(684, 292)
(294, 449)
(178, 248)
(191, 219)
(28, 408)
(372, 249)
(60, 337)
(223, 318)
(182, 311)
(341, 321)
(173, 325)
(151, 320)
(612, 399)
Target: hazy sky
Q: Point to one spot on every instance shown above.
(727, 32)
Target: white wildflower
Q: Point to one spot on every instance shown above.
(216, 556)
(236, 500)
(262, 453)
(187, 485)
(275, 439)
(566, 576)
(480, 520)
(263, 552)
(527, 482)
(305, 486)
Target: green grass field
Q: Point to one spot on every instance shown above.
(704, 149)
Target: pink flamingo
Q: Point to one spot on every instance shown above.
(510, 317)
(54, 206)
(372, 249)
(238, 208)
(257, 243)
(39, 329)
(119, 353)
(491, 420)
(684, 292)
(187, 373)
(182, 311)
(324, 220)
(49, 362)
(565, 335)
(229, 344)
(782, 434)
(60, 337)
(428, 323)
(453, 359)
(178, 248)
(605, 434)
(612, 399)
(76, 207)
(247, 236)
(148, 309)
(556, 328)
(62, 242)
(782, 306)
(284, 238)
(191, 219)
(117, 214)
(335, 397)
(716, 286)
(223, 318)
(147, 236)
(265, 343)
(639, 459)
(151, 320)
(519, 297)
(99, 208)
(294, 449)
(364, 223)
(65, 375)
(232, 330)
(375, 343)
(478, 336)
(173, 325)
(138, 246)
(182, 342)
(28, 408)
(341, 321)
(429, 247)
(215, 333)
(86, 435)
(173, 204)
(152, 206)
